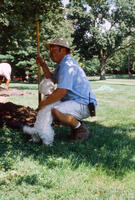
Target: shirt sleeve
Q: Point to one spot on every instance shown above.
(66, 75)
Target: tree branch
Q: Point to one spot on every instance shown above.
(124, 47)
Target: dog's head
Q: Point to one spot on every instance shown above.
(46, 86)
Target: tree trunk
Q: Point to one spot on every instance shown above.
(102, 65)
(129, 73)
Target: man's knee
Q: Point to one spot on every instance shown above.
(62, 116)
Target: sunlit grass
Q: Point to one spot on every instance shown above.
(31, 99)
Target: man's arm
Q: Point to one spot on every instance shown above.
(57, 95)
(47, 72)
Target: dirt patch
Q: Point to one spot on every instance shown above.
(11, 113)
(12, 92)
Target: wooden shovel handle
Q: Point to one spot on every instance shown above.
(38, 53)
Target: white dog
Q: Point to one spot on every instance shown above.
(42, 128)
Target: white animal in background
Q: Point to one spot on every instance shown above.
(5, 71)
(42, 128)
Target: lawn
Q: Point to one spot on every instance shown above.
(101, 168)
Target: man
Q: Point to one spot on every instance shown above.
(73, 89)
(5, 71)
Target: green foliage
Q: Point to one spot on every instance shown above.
(94, 37)
(91, 67)
(122, 61)
(18, 40)
(6, 58)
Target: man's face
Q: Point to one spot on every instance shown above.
(56, 53)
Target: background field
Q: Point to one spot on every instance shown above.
(101, 168)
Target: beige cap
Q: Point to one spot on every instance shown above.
(58, 41)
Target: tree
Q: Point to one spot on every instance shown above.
(18, 31)
(123, 61)
(91, 35)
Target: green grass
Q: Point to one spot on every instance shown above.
(102, 168)
(30, 100)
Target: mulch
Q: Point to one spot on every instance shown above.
(11, 113)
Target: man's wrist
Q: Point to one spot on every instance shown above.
(44, 64)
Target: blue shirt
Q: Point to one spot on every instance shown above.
(69, 75)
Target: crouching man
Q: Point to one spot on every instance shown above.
(73, 89)
(5, 72)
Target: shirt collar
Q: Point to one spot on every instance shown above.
(64, 59)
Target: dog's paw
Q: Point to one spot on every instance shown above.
(35, 139)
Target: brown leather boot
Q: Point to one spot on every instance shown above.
(82, 133)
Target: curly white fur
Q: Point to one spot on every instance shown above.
(42, 128)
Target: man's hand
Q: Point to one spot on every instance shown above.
(40, 61)
(57, 95)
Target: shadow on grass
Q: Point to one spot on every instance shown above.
(110, 149)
